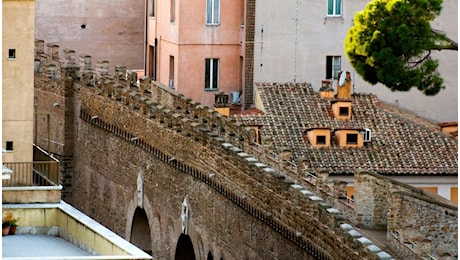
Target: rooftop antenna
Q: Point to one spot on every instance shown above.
(343, 77)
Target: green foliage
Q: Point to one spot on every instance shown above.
(391, 41)
(9, 220)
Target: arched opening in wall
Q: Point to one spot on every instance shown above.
(140, 231)
(210, 257)
(184, 249)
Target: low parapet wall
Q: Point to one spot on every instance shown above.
(418, 223)
(61, 219)
(430, 231)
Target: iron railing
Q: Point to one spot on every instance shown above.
(40, 173)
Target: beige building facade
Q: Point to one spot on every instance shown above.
(18, 79)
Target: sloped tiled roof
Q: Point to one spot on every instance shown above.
(399, 145)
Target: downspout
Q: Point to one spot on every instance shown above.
(296, 39)
(145, 36)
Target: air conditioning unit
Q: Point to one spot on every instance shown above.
(367, 135)
(236, 97)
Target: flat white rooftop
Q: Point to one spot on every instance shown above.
(38, 246)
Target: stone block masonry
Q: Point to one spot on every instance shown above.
(240, 207)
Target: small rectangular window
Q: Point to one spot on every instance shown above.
(333, 66)
(343, 111)
(152, 8)
(11, 53)
(352, 138)
(9, 145)
(212, 12)
(211, 77)
(321, 139)
(171, 71)
(334, 7)
(172, 11)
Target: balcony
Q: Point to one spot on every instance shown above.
(32, 182)
(49, 228)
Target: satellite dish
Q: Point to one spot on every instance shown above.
(342, 78)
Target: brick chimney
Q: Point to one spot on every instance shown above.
(344, 91)
(326, 90)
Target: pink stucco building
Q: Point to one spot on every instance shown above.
(197, 47)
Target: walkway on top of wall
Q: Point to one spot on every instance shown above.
(378, 238)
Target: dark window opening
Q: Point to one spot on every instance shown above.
(333, 66)
(321, 139)
(352, 138)
(211, 77)
(172, 11)
(152, 8)
(171, 71)
(9, 145)
(343, 111)
(12, 54)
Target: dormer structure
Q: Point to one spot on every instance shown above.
(348, 138)
(341, 109)
(318, 137)
(450, 128)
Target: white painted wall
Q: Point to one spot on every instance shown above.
(292, 40)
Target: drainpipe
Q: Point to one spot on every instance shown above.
(146, 15)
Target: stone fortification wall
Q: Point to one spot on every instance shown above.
(418, 223)
(430, 231)
(123, 127)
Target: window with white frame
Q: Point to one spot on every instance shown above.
(334, 7)
(212, 12)
(333, 66)
(211, 75)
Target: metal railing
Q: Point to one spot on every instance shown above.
(40, 173)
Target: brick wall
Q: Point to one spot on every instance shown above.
(248, 99)
(240, 207)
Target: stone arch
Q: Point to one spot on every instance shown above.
(140, 231)
(153, 220)
(184, 248)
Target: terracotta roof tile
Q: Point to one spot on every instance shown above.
(399, 144)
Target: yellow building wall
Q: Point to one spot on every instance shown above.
(432, 189)
(18, 17)
(454, 194)
(55, 217)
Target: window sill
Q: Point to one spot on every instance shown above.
(334, 17)
(211, 89)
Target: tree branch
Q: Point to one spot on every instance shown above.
(415, 63)
(449, 44)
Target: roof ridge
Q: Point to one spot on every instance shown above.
(411, 116)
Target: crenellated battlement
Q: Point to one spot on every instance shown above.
(213, 148)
